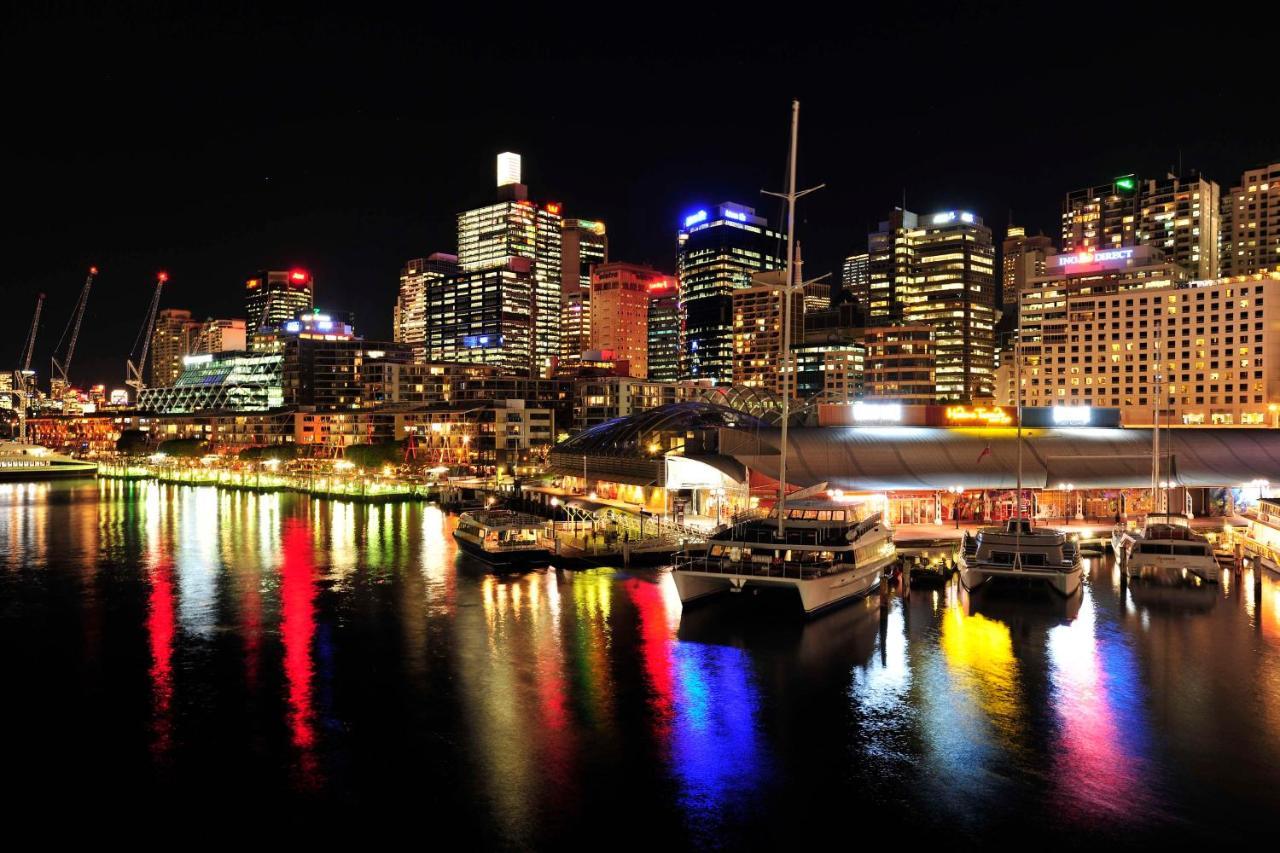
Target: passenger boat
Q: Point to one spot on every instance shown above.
(828, 551)
(1168, 549)
(20, 461)
(502, 537)
(1019, 551)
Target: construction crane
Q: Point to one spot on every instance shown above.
(58, 375)
(20, 375)
(133, 373)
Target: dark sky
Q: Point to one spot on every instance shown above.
(213, 145)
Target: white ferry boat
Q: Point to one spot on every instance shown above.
(19, 461)
(502, 537)
(829, 552)
(1019, 551)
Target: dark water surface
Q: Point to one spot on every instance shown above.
(219, 659)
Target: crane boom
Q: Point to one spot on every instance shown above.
(19, 386)
(30, 345)
(62, 369)
(133, 373)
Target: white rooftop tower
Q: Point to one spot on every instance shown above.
(508, 168)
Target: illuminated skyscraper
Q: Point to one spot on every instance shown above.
(758, 317)
(854, 278)
(664, 330)
(492, 237)
(1178, 216)
(585, 244)
(169, 344)
(620, 312)
(1023, 260)
(411, 320)
(1251, 223)
(271, 298)
(720, 248)
(890, 265)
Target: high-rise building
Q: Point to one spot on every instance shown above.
(217, 336)
(584, 244)
(900, 364)
(952, 289)
(830, 372)
(1251, 223)
(1179, 216)
(890, 266)
(515, 228)
(854, 278)
(620, 311)
(758, 333)
(410, 322)
(664, 331)
(483, 316)
(272, 297)
(1023, 260)
(169, 344)
(720, 249)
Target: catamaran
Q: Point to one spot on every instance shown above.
(503, 538)
(1019, 551)
(22, 461)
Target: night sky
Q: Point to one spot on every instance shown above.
(216, 146)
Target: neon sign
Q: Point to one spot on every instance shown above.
(694, 219)
(950, 216)
(1080, 258)
(982, 415)
(733, 214)
(877, 412)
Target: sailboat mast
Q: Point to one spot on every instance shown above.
(1017, 372)
(786, 312)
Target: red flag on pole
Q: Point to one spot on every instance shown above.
(986, 451)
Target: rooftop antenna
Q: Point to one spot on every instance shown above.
(790, 287)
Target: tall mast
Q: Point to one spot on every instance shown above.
(1017, 372)
(786, 310)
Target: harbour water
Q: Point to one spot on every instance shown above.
(211, 656)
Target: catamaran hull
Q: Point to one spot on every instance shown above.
(1172, 568)
(816, 595)
(1064, 583)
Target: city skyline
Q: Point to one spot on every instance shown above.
(353, 221)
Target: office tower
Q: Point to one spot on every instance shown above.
(890, 266)
(832, 373)
(854, 279)
(514, 228)
(1251, 223)
(1023, 260)
(899, 364)
(664, 330)
(584, 244)
(324, 362)
(952, 289)
(271, 298)
(411, 321)
(168, 345)
(483, 317)
(1178, 215)
(758, 318)
(620, 311)
(217, 336)
(719, 250)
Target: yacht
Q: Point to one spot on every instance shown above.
(21, 461)
(1167, 549)
(828, 551)
(504, 538)
(1019, 551)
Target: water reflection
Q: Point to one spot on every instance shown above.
(297, 629)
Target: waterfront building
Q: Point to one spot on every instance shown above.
(855, 278)
(273, 297)
(1203, 352)
(604, 398)
(758, 326)
(620, 311)
(410, 323)
(498, 437)
(1178, 215)
(513, 238)
(719, 250)
(227, 381)
(584, 244)
(900, 364)
(664, 331)
(1022, 259)
(324, 362)
(1251, 223)
(169, 343)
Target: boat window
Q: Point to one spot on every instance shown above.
(824, 515)
(1004, 558)
(717, 550)
(1190, 550)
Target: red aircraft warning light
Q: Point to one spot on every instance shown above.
(298, 276)
(163, 276)
(93, 270)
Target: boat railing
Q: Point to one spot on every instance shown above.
(787, 569)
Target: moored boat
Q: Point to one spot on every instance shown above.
(1020, 552)
(503, 538)
(21, 461)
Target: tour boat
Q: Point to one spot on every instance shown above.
(1019, 551)
(502, 537)
(828, 551)
(1167, 549)
(19, 461)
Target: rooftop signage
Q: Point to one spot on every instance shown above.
(978, 416)
(1104, 259)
